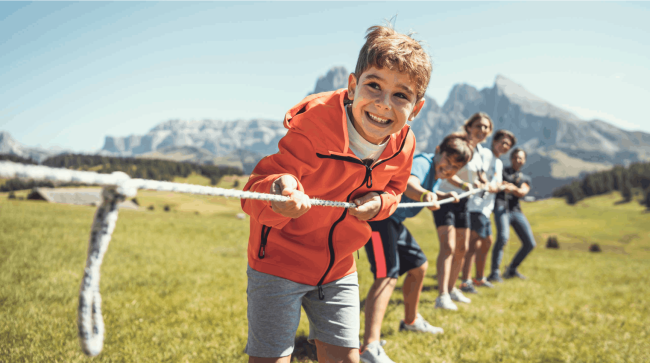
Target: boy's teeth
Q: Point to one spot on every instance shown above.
(378, 119)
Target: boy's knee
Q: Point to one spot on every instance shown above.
(460, 249)
(420, 270)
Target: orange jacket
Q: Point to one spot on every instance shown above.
(318, 247)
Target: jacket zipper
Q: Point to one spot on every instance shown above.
(263, 240)
(367, 180)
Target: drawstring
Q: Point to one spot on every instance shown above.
(265, 235)
(321, 294)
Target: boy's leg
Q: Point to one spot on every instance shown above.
(412, 289)
(273, 316)
(384, 261)
(447, 237)
(523, 230)
(375, 308)
(334, 321)
(484, 234)
(462, 224)
(502, 220)
(462, 240)
(444, 219)
(331, 353)
(473, 247)
(481, 256)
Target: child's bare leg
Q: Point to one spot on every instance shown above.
(469, 255)
(481, 256)
(462, 240)
(328, 353)
(376, 304)
(447, 237)
(286, 359)
(411, 289)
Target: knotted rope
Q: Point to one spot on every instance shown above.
(117, 187)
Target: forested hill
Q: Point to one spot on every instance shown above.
(620, 178)
(135, 168)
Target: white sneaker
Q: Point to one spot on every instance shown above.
(374, 353)
(421, 326)
(456, 295)
(444, 302)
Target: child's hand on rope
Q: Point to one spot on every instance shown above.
(367, 206)
(298, 203)
(431, 197)
(452, 195)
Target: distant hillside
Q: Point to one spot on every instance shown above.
(561, 147)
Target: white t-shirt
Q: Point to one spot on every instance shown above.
(361, 147)
(469, 172)
(494, 171)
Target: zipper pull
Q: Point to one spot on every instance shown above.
(368, 177)
(321, 294)
(262, 251)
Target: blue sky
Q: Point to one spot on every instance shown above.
(72, 73)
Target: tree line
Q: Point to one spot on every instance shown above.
(136, 168)
(623, 179)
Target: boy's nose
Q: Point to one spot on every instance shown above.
(383, 101)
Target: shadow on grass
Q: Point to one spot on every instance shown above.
(303, 350)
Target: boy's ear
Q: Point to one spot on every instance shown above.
(352, 86)
(417, 109)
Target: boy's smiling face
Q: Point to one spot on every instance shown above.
(382, 101)
(446, 166)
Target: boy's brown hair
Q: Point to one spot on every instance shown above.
(500, 134)
(456, 146)
(477, 117)
(386, 48)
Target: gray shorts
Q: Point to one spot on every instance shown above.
(274, 313)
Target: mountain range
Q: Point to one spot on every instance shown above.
(560, 146)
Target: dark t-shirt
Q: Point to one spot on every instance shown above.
(511, 201)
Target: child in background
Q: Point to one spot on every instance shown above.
(452, 220)
(392, 250)
(508, 213)
(348, 145)
(480, 209)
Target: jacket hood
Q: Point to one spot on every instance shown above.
(324, 114)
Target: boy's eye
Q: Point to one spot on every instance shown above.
(401, 95)
(374, 85)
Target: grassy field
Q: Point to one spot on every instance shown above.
(174, 287)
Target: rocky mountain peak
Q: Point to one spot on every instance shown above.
(528, 102)
(336, 77)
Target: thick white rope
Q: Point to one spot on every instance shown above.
(90, 322)
(117, 187)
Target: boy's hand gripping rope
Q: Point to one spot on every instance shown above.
(117, 187)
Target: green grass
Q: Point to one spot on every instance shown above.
(174, 287)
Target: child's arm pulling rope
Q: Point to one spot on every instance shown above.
(117, 187)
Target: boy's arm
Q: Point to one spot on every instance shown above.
(460, 183)
(296, 158)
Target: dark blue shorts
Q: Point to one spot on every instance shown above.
(392, 250)
(452, 214)
(480, 224)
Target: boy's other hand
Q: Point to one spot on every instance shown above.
(367, 206)
(431, 197)
(298, 203)
(453, 195)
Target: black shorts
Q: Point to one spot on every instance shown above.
(480, 224)
(452, 214)
(392, 250)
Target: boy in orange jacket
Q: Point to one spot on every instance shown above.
(348, 145)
